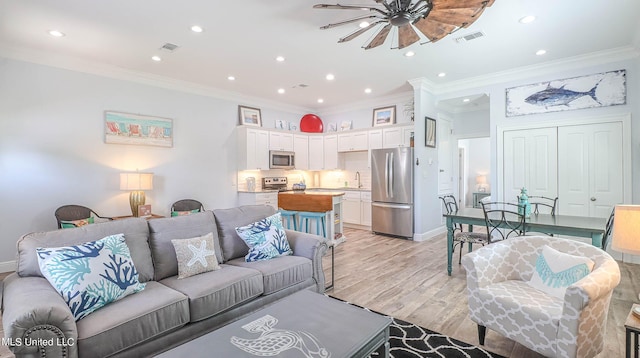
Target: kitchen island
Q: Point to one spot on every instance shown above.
(329, 202)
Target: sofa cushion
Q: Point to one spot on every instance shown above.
(162, 231)
(265, 238)
(216, 291)
(135, 230)
(91, 275)
(195, 255)
(132, 320)
(229, 219)
(280, 272)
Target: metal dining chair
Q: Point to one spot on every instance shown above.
(460, 237)
(503, 220)
(548, 204)
(69, 213)
(608, 230)
(187, 205)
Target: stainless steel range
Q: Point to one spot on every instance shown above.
(274, 183)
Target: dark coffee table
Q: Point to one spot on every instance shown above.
(305, 324)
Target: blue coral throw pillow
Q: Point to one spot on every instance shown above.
(266, 239)
(90, 275)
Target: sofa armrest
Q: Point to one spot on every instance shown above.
(312, 247)
(36, 320)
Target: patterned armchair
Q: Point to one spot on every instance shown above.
(501, 299)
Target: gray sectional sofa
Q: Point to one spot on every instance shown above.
(168, 311)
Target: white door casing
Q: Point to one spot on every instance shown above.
(445, 156)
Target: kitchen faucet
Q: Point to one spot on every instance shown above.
(358, 179)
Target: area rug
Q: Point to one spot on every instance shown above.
(408, 340)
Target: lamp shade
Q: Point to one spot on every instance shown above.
(481, 179)
(626, 229)
(136, 181)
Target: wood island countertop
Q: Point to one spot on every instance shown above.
(317, 201)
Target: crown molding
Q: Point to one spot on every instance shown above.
(145, 78)
(368, 103)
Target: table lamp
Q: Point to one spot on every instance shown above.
(626, 231)
(481, 180)
(136, 183)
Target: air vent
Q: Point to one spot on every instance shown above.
(169, 47)
(302, 85)
(470, 37)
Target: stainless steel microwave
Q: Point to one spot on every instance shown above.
(281, 160)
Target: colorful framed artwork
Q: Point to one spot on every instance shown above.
(249, 116)
(430, 132)
(597, 90)
(129, 128)
(384, 116)
(345, 125)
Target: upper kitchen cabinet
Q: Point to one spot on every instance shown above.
(316, 152)
(353, 141)
(331, 152)
(253, 149)
(397, 136)
(375, 139)
(301, 148)
(281, 141)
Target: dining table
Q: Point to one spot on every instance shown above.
(577, 226)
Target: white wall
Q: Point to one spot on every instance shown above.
(52, 149)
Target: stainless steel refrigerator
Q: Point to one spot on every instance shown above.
(392, 191)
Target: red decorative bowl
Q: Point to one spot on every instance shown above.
(311, 123)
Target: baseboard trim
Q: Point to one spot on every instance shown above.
(431, 234)
(7, 266)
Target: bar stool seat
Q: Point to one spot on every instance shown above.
(289, 216)
(305, 216)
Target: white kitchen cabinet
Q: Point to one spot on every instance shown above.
(355, 141)
(399, 136)
(253, 149)
(351, 207)
(301, 148)
(280, 141)
(259, 198)
(331, 152)
(365, 208)
(316, 152)
(375, 139)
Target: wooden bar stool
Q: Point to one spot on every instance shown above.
(305, 216)
(289, 216)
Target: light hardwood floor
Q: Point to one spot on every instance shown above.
(408, 280)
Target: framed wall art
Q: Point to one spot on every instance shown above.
(430, 132)
(597, 90)
(249, 116)
(137, 129)
(384, 116)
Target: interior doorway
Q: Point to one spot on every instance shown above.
(474, 168)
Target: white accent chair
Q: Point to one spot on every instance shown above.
(500, 298)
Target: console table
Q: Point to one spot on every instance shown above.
(153, 216)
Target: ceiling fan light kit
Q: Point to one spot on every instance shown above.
(435, 19)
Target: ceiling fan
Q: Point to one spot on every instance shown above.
(435, 19)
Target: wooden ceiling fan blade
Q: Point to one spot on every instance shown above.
(358, 32)
(475, 17)
(379, 38)
(407, 36)
(434, 30)
(458, 4)
(457, 17)
(335, 24)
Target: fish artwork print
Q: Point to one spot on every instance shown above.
(560, 96)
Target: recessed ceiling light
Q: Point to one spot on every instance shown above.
(280, 58)
(409, 53)
(56, 33)
(196, 28)
(466, 100)
(441, 74)
(367, 90)
(541, 52)
(320, 100)
(281, 90)
(330, 77)
(527, 19)
(156, 58)
(231, 78)
(364, 24)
